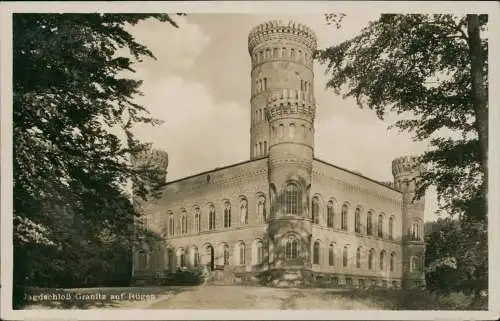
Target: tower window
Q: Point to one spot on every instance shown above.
(260, 148)
(283, 53)
(292, 130)
(292, 53)
(292, 199)
(291, 248)
(275, 53)
(265, 83)
(281, 131)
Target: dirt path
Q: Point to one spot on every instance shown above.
(238, 297)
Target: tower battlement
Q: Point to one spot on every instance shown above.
(154, 157)
(287, 102)
(406, 165)
(277, 29)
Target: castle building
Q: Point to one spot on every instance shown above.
(284, 213)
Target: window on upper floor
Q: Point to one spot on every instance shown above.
(380, 226)
(357, 220)
(315, 210)
(184, 223)
(171, 225)
(369, 223)
(370, 259)
(197, 220)
(211, 218)
(344, 217)
(261, 209)
(416, 230)
(227, 215)
(292, 199)
(358, 257)
(243, 211)
(330, 214)
(391, 228)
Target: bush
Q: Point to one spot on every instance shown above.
(192, 276)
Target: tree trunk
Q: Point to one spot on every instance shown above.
(479, 95)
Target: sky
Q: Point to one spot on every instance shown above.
(200, 87)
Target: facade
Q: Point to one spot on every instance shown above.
(285, 215)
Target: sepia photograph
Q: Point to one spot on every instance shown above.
(193, 161)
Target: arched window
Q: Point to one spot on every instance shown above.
(380, 226)
(291, 130)
(303, 130)
(300, 55)
(315, 210)
(268, 53)
(211, 217)
(243, 212)
(415, 264)
(291, 248)
(391, 227)
(330, 215)
(227, 215)
(171, 225)
(265, 148)
(416, 231)
(316, 253)
(345, 256)
(258, 254)
(143, 260)
(196, 256)
(261, 55)
(184, 223)
(292, 199)
(240, 253)
(261, 209)
(275, 52)
(265, 83)
(357, 220)
(358, 257)
(181, 256)
(393, 259)
(370, 259)
(197, 220)
(344, 216)
(281, 131)
(301, 85)
(283, 52)
(369, 223)
(226, 254)
(331, 255)
(292, 53)
(382, 259)
(260, 148)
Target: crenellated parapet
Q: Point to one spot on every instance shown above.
(288, 102)
(152, 158)
(277, 29)
(405, 165)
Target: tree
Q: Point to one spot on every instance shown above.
(432, 71)
(70, 169)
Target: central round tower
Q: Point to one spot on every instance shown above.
(282, 128)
